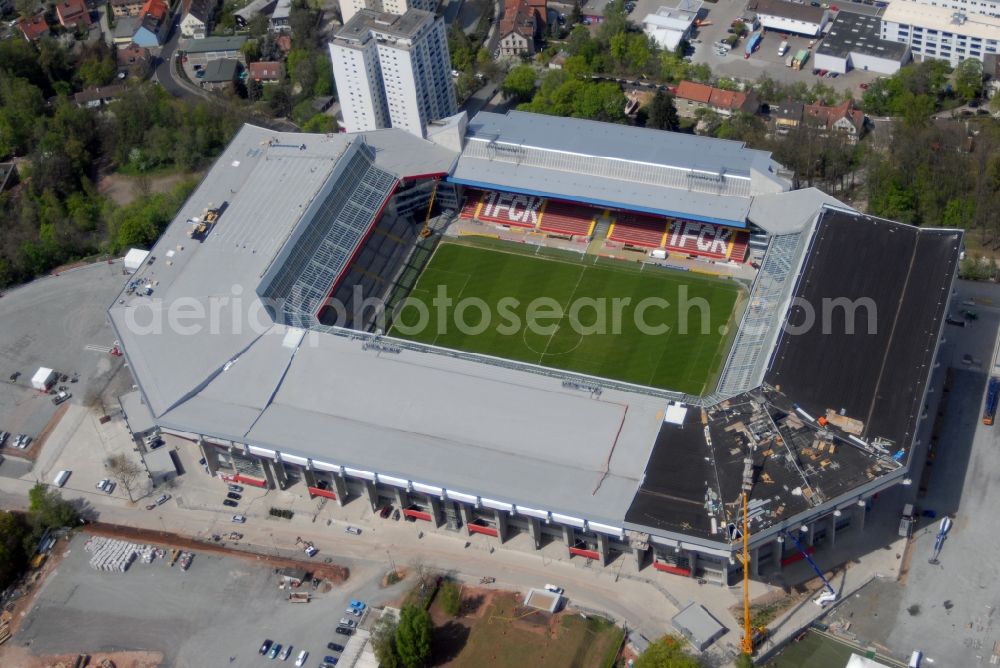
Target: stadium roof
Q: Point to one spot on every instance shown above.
(617, 166)
(871, 383)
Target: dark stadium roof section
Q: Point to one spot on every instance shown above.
(616, 166)
(904, 274)
(845, 406)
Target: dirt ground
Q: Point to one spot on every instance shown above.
(331, 572)
(23, 658)
(123, 189)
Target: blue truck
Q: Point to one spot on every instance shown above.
(753, 42)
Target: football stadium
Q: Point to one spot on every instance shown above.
(580, 332)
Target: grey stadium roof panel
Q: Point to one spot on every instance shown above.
(618, 166)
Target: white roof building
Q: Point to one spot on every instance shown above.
(940, 32)
(669, 25)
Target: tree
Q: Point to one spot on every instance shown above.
(520, 83)
(667, 652)
(13, 555)
(575, 14)
(969, 78)
(384, 642)
(48, 510)
(451, 598)
(744, 661)
(663, 113)
(413, 637)
(125, 471)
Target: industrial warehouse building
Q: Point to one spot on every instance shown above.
(854, 42)
(279, 394)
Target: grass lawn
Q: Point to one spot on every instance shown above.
(815, 651)
(586, 316)
(503, 636)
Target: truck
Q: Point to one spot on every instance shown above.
(752, 43)
(906, 521)
(800, 59)
(992, 394)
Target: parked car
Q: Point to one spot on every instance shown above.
(358, 605)
(386, 511)
(229, 503)
(311, 551)
(275, 649)
(330, 660)
(163, 499)
(343, 630)
(344, 621)
(357, 612)
(110, 487)
(554, 589)
(395, 514)
(354, 530)
(102, 484)
(61, 397)
(265, 647)
(301, 661)
(3, 437)
(239, 519)
(285, 653)
(334, 647)
(232, 488)
(234, 496)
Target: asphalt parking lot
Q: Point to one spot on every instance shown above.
(221, 607)
(58, 322)
(947, 610)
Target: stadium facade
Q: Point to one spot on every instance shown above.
(236, 348)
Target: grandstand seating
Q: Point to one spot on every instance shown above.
(707, 240)
(638, 230)
(472, 199)
(567, 218)
(510, 209)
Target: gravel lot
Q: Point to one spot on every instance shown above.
(221, 607)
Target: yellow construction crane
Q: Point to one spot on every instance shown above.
(426, 231)
(747, 645)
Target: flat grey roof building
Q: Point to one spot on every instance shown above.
(859, 33)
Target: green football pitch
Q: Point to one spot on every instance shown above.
(655, 327)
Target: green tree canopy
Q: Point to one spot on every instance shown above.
(520, 82)
(667, 652)
(48, 509)
(413, 637)
(663, 112)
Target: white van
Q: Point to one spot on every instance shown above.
(783, 48)
(915, 659)
(61, 478)
(554, 589)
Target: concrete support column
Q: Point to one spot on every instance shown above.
(810, 539)
(603, 548)
(340, 486)
(569, 537)
(269, 477)
(692, 562)
(465, 512)
(861, 516)
(833, 530)
(755, 561)
(500, 517)
(280, 477)
(402, 498)
(371, 491)
(309, 476)
(211, 456)
(434, 503)
(640, 557)
(535, 531)
(777, 554)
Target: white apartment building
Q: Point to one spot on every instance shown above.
(393, 71)
(348, 8)
(943, 32)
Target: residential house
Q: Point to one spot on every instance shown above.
(280, 17)
(219, 74)
(125, 28)
(98, 96)
(196, 18)
(245, 15)
(284, 43)
(786, 116)
(34, 28)
(72, 13)
(132, 57)
(558, 60)
(843, 118)
(123, 8)
(668, 26)
(691, 96)
(154, 22)
(204, 51)
(266, 72)
(517, 29)
(540, 9)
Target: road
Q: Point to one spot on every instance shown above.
(167, 76)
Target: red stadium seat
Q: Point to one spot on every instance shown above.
(567, 218)
(707, 240)
(510, 209)
(638, 230)
(472, 199)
